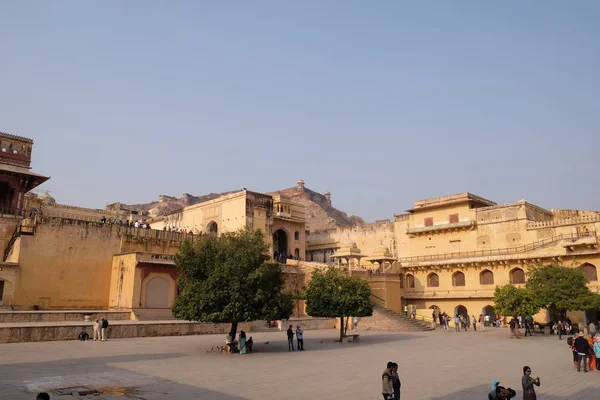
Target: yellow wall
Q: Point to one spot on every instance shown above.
(122, 283)
(65, 266)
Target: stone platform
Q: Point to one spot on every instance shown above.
(16, 332)
(61, 315)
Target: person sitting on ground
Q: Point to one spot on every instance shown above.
(508, 393)
(42, 396)
(83, 336)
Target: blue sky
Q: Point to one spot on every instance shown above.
(381, 103)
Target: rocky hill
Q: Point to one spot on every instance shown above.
(319, 212)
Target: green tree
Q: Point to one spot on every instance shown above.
(332, 293)
(514, 301)
(228, 280)
(563, 287)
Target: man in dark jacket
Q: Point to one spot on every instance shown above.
(581, 347)
(290, 336)
(104, 329)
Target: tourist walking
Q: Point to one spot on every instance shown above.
(405, 310)
(290, 336)
(592, 329)
(396, 382)
(104, 329)
(474, 324)
(96, 327)
(387, 380)
(242, 342)
(528, 384)
(591, 365)
(581, 347)
(414, 312)
(446, 318)
(300, 338)
(456, 323)
(433, 318)
(528, 325)
(355, 327)
(597, 352)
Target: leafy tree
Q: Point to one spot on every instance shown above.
(514, 301)
(332, 293)
(561, 286)
(228, 280)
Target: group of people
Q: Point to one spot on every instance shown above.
(528, 385)
(586, 351)
(241, 345)
(127, 224)
(100, 331)
(391, 382)
(299, 338)
(282, 257)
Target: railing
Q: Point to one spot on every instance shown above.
(11, 242)
(10, 211)
(122, 230)
(499, 252)
(581, 219)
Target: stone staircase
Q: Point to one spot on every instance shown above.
(388, 320)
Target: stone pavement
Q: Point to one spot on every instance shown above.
(433, 365)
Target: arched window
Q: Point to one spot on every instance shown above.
(486, 277)
(401, 279)
(458, 279)
(296, 235)
(590, 272)
(433, 280)
(517, 276)
(410, 281)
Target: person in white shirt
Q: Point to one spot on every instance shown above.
(300, 338)
(137, 224)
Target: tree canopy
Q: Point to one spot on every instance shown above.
(514, 301)
(332, 293)
(227, 279)
(561, 286)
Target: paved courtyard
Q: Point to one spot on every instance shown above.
(433, 365)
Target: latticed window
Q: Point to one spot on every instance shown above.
(517, 276)
(433, 280)
(410, 281)
(486, 277)
(458, 279)
(590, 272)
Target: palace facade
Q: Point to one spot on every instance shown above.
(451, 252)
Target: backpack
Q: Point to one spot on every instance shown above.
(104, 324)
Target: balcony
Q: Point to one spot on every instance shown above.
(455, 226)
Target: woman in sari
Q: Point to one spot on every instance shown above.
(242, 343)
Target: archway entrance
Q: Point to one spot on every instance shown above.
(1, 290)
(461, 310)
(489, 310)
(157, 293)
(280, 242)
(212, 228)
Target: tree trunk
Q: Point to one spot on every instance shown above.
(346, 328)
(341, 329)
(233, 330)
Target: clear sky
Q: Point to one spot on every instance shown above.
(381, 103)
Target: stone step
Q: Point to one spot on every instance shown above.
(153, 314)
(388, 320)
(49, 331)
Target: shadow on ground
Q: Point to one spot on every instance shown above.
(481, 392)
(327, 343)
(22, 381)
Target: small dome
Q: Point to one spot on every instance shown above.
(348, 243)
(47, 199)
(381, 248)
